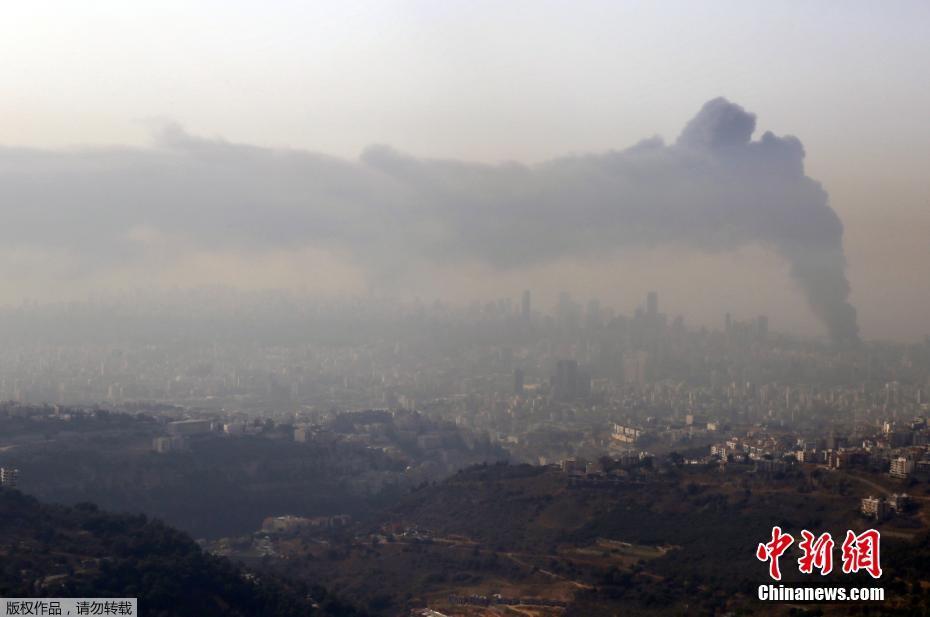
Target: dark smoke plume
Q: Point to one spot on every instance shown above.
(713, 189)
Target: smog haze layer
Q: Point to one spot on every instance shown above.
(261, 174)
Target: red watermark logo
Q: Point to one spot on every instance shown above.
(859, 552)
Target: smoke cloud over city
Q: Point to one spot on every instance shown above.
(713, 189)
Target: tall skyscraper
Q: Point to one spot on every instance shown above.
(525, 308)
(565, 305)
(635, 367)
(762, 326)
(593, 315)
(565, 373)
(570, 382)
(518, 381)
(568, 312)
(652, 303)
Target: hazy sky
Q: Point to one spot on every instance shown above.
(498, 81)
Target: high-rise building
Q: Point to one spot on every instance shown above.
(635, 367)
(568, 312)
(593, 316)
(525, 307)
(762, 326)
(9, 477)
(566, 376)
(518, 381)
(565, 305)
(652, 304)
(901, 468)
(875, 507)
(570, 382)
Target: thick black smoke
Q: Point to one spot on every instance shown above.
(713, 189)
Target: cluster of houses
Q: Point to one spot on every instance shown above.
(880, 508)
(888, 451)
(478, 600)
(289, 524)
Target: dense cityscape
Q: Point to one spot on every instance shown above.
(386, 398)
(355, 404)
(579, 380)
